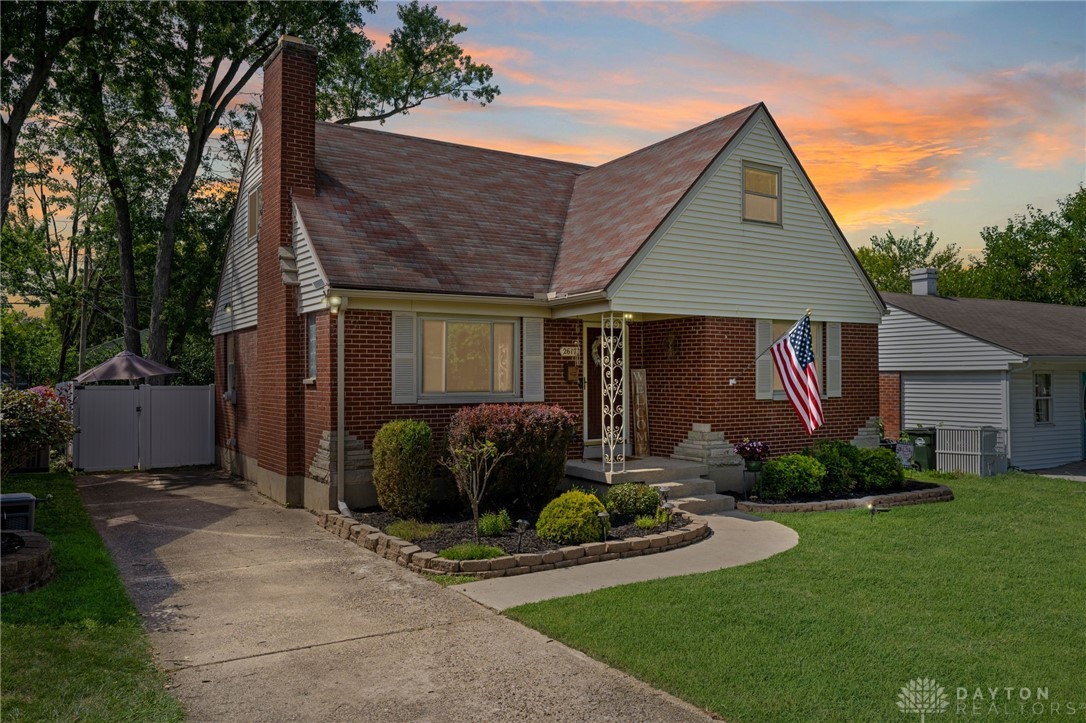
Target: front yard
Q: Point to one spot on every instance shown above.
(987, 591)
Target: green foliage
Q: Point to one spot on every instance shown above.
(889, 259)
(29, 348)
(403, 466)
(447, 580)
(792, 475)
(571, 519)
(471, 551)
(532, 437)
(632, 498)
(843, 466)
(413, 530)
(31, 419)
(495, 523)
(649, 522)
(880, 470)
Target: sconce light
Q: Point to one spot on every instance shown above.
(627, 316)
(334, 302)
(228, 309)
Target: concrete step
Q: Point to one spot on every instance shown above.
(686, 487)
(705, 504)
(649, 470)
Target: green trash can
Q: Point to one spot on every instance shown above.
(924, 450)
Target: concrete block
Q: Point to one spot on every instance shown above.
(440, 564)
(422, 559)
(618, 546)
(572, 553)
(656, 541)
(553, 556)
(594, 548)
(639, 543)
(473, 566)
(528, 559)
(609, 556)
(503, 563)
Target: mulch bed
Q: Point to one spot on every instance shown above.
(911, 485)
(456, 530)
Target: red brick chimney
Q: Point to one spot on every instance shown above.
(287, 165)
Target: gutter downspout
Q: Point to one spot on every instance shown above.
(340, 396)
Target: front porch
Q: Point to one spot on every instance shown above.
(683, 482)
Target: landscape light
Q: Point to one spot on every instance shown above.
(603, 523)
(522, 527)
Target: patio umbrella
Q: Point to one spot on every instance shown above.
(125, 365)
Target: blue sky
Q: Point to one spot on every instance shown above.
(945, 115)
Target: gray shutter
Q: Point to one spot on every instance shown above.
(763, 368)
(404, 386)
(533, 360)
(833, 359)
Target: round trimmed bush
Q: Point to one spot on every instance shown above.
(880, 470)
(571, 518)
(633, 498)
(792, 475)
(403, 466)
(843, 466)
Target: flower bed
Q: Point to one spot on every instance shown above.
(916, 493)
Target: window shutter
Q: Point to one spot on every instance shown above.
(763, 368)
(533, 360)
(404, 387)
(833, 359)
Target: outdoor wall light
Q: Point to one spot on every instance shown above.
(334, 302)
(228, 309)
(604, 519)
(522, 527)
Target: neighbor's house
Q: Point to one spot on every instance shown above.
(458, 275)
(1015, 366)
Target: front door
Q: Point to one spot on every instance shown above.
(593, 388)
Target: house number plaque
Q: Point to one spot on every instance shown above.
(570, 351)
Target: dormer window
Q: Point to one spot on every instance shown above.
(761, 194)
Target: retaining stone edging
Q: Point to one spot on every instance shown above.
(409, 555)
(29, 568)
(942, 493)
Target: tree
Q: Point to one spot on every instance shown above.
(28, 348)
(471, 463)
(889, 259)
(171, 70)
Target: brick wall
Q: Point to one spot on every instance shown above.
(237, 421)
(890, 403)
(319, 398)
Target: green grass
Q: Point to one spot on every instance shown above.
(446, 580)
(75, 649)
(988, 590)
(413, 530)
(470, 551)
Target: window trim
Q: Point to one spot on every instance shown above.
(766, 168)
(310, 348)
(253, 219)
(468, 397)
(1037, 398)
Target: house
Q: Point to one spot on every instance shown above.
(1015, 366)
(372, 276)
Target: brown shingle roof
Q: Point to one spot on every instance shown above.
(400, 213)
(1024, 327)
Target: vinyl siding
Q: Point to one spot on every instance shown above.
(1036, 446)
(312, 283)
(238, 282)
(908, 342)
(952, 398)
(706, 261)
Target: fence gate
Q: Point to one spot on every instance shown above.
(148, 427)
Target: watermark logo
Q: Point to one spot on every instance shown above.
(923, 696)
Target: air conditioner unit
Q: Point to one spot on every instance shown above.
(17, 511)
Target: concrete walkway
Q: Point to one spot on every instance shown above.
(259, 615)
(1074, 471)
(737, 539)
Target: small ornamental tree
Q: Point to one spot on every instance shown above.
(471, 462)
(31, 419)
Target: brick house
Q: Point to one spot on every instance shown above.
(445, 275)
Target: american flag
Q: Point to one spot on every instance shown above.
(795, 363)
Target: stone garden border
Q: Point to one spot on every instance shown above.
(941, 493)
(28, 568)
(411, 556)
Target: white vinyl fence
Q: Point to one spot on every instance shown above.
(148, 427)
(974, 450)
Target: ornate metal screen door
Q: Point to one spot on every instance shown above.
(613, 397)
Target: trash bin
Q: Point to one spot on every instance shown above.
(924, 451)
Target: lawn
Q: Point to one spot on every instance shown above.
(986, 591)
(75, 649)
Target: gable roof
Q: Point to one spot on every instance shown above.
(1025, 327)
(401, 213)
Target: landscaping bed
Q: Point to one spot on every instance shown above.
(913, 492)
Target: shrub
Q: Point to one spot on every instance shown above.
(31, 419)
(647, 522)
(790, 476)
(534, 436)
(571, 519)
(413, 530)
(495, 523)
(632, 498)
(403, 466)
(880, 470)
(843, 466)
(471, 551)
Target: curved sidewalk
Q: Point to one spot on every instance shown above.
(738, 538)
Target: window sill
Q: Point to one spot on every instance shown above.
(467, 398)
(774, 224)
(310, 381)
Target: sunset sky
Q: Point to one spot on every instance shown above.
(945, 115)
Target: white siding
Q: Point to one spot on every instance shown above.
(952, 398)
(238, 282)
(908, 342)
(312, 283)
(707, 261)
(1036, 446)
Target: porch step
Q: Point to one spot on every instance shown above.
(694, 486)
(649, 470)
(705, 504)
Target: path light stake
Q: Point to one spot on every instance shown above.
(668, 508)
(875, 509)
(604, 518)
(522, 527)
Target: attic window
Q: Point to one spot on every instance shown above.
(253, 209)
(761, 194)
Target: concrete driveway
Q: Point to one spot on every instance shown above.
(259, 615)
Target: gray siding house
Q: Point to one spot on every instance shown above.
(1016, 366)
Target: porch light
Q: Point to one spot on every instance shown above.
(522, 527)
(228, 309)
(627, 316)
(604, 519)
(334, 302)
